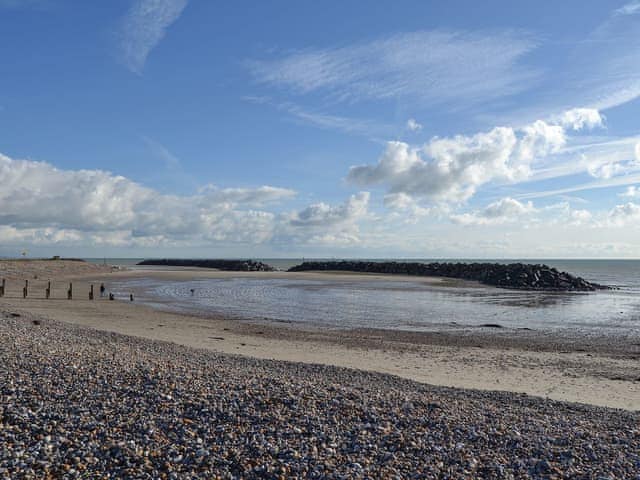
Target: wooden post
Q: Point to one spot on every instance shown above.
(47, 292)
(70, 292)
(4, 284)
(25, 290)
(91, 293)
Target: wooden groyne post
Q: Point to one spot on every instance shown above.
(47, 292)
(70, 292)
(91, 293)
(2, 287)
(25, 290)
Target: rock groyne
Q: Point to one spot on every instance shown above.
(518, 276)
(219, 264)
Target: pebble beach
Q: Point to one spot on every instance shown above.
(80, 403)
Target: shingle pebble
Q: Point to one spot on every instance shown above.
(79, 403)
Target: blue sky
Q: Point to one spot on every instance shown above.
(375, 129)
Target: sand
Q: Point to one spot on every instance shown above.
(603, 372)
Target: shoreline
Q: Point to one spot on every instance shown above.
(597, 371)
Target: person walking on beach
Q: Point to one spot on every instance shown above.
(102, 290)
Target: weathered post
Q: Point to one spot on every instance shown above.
(4, 284)
(91, 293)
(70, 292)
(25, 290)
(47, 292)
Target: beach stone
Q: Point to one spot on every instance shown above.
(87, 404)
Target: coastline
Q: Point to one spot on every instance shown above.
(597, 371)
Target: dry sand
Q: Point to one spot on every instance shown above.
(601, 371)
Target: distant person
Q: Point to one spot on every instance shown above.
(193, 291)
(131, 297)
(111, 297)
(102, 290)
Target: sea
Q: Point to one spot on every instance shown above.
(411, 305)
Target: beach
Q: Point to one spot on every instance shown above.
(99, 385)
(599, 371)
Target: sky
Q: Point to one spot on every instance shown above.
(411, 129)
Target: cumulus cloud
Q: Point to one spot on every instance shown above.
(579, 217)
(43, 203)
(581, 118)
(430, 66)
(323, 215)
(624, 215)
(606, 170)
(143, 27)
(326, 225)
(403, 204)
(496, 213)
(632, 191)
(413, 125)
(451, 169)
(539, 139)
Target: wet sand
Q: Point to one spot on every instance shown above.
(599, 371)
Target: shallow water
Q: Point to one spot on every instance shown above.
(408, 305)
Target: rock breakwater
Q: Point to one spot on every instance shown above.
(518, 276)
(219, 264)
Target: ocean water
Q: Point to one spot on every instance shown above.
(408, 305)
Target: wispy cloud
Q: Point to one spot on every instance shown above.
(430, 66)
(605, 183)
(630, 8)
(356, 126)
(143, 27)
(605, 67)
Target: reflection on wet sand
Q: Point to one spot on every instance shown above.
(387, 304)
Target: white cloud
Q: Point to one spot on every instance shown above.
(605, 68)
(580, 217)
(143, 27)
(540, 139)
(637, 152)
(630, 8)
(613, 158)
(451, 169)
(401, 203)
(606, 170)
(431, 66)
(323, 215)
(624, 215)
(632, 191)
(413, 125)
(350, 125)
(603, 183)
(499, 212)
(256, 197)
(580, 118)
(321, 224)
(41, 202)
